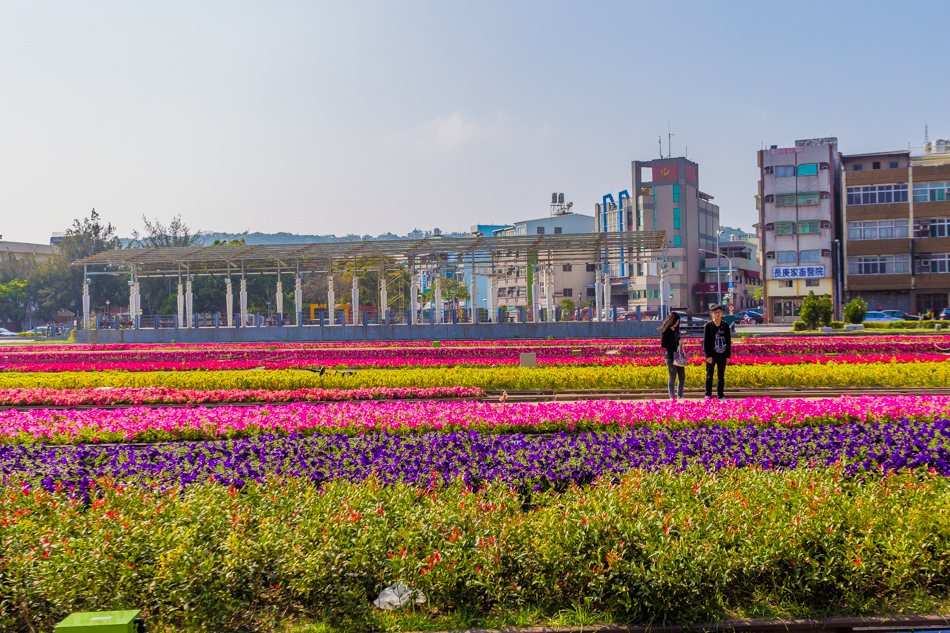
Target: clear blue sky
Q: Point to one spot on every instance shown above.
(367, 117)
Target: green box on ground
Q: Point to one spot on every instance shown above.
(101, 622)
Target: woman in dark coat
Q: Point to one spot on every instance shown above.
(670, 341)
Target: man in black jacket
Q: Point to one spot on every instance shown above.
(717, 348)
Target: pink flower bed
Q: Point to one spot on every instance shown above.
(145, 423)
(166, 395)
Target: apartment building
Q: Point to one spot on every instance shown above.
(799, 224)
(737, 263)
(666, 198)
(896, 210)
(520, 283)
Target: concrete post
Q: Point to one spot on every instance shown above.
(383, 299)
(598, 292)
(438, 308)
(189, 303)
(606, 296)
(331, 301)
(414, 301)
(229, 301)
(473, 293)
(298, 299)
(355, 299)
(279, 302)
(536, 299)
(549, 293)
(242, 299)
(85, 305)
(181, 306)
(492, 295)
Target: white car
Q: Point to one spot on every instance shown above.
(5, 332)
(878, 317)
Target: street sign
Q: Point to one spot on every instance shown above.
(732, 309)
(732, 285)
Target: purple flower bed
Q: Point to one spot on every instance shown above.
(520, 460)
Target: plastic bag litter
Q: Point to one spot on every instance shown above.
(396, 596)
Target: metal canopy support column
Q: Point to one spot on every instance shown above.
(229, 300)
(549, 292)
(536, 297)
(298, 298)
(383, 316)
(413, 298)
(437, 304)
(189, 303)
(492, 293)
(606, 293)
(473, 295)
(181, 304)
(279, 302)
(331, 300)
(598, 288)
(355, 297)
(243, 298)
(85, 298)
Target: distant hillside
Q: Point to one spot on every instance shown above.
(293, 238)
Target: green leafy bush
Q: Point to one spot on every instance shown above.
(855, 311)
(661, 546)
(837, 325)
(800, 326)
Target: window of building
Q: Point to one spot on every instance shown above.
(809, 256)
(676, 193)
(676, 241)
(676, 264)
(933, 263)
(892, 165)
(784, 171)
(787, 257)
(676, 218)
(809, 226)
(932, 192)
(858, 167)
(879, 265)
(878, 194)
(811, 283)
(880, 230)
(932, 227)
(811, 169)
(566, 268)
(591, 268)
(540, 230)
(876, 164)
(784, 228)
(802, 199)
(591, 292)
(568, 292)
(558, 230)
(785, 283)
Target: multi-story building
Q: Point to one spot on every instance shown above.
(39, 252)
(798, 222)
(737, 263)
(515, 277)
(896, 210)
(667, 198)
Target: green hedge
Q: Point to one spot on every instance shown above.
(664, 546)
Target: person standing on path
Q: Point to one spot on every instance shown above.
(717, 348)
(670, 341)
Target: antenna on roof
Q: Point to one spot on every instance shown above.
(659, 139)
(669, 141)
(926, 134)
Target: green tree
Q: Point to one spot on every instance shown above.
(826, 310)
(809, 310)
(855, 311)
(758, 293)
(452, 290)
(57, 286)
(14, 301)
(157, 292)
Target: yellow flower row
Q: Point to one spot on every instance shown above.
(917, 374)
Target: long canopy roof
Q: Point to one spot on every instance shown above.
(574, 247)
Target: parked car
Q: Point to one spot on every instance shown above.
(878, 317)
(754, 316)
(944, 315)
(5, 332)
(903, 316)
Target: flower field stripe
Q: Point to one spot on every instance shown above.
(165, 395)
(830, 374)
(517, 460)
(146, 424)
(803, 543)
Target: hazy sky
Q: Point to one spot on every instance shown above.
(366, 117)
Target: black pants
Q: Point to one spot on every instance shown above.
(675, 372)
(718, 365)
